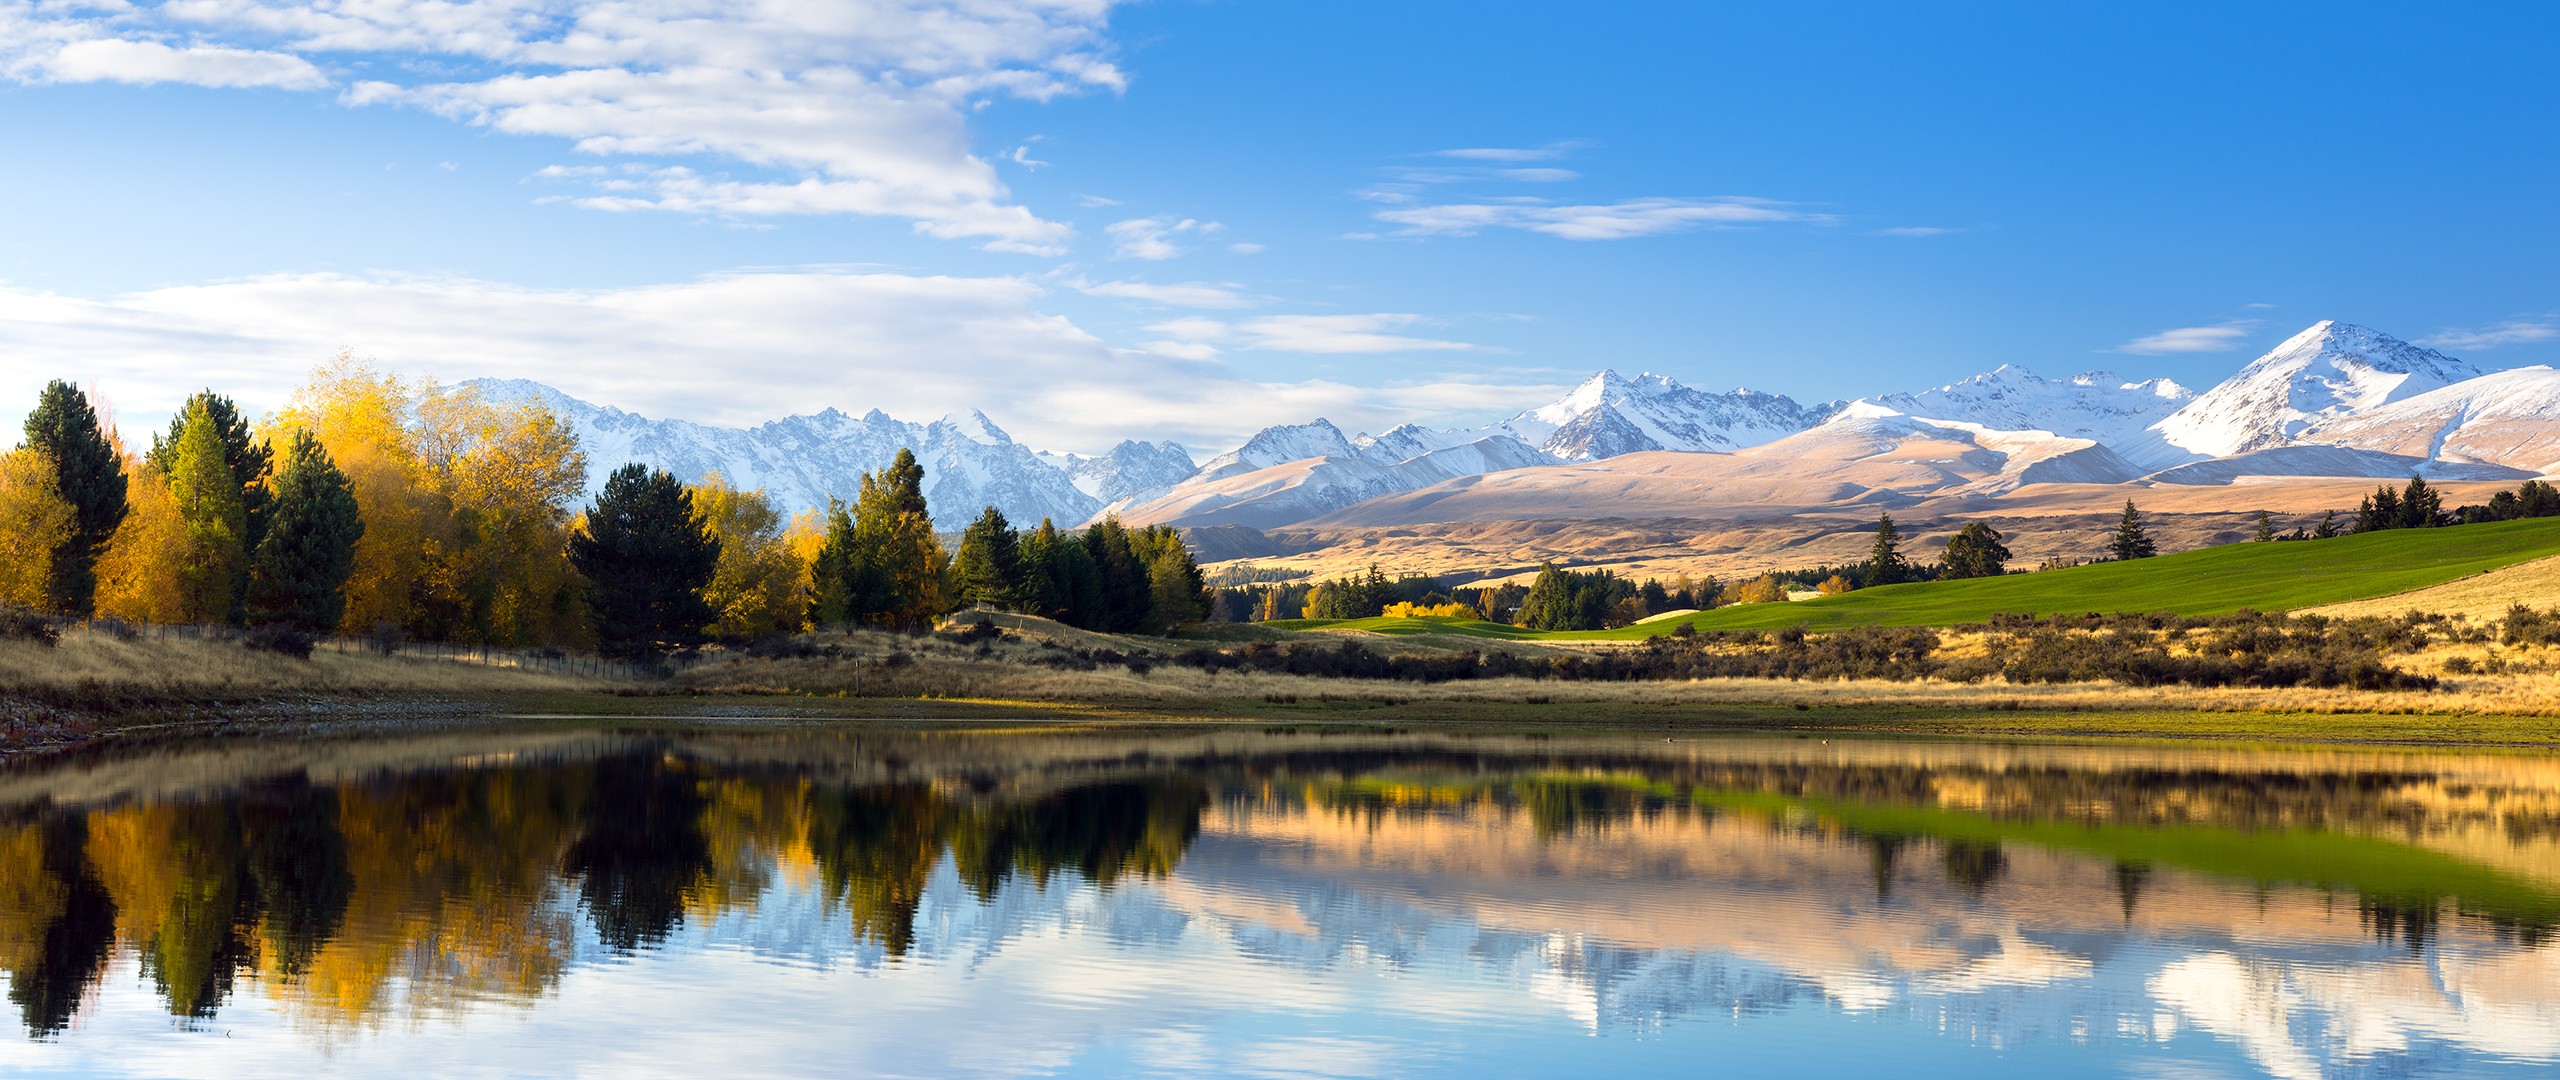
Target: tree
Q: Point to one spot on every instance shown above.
(2421, 506)
(1975, 551)
(246, 457)
(881, 563)
(89, 476)
(36, 526)
(1561, 599)
(1885, 564)
(990, 562)
(2379, 511)
(365, 419)
(1059, 579)
(213, 557)
(647, 558)
(1176, 591)
(757, 589)
(2536, 499)
(298, 572)
(1834, 585)
(2328, 526)
(2131, 540)
(137, 579)
(2266, 527)
(1126, 594)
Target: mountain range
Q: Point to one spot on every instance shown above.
(2335, 400)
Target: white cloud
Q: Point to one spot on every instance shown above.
(2190, 339)
(1917, 230)
(1192, 294)
(1464, 174)
(1247, 248)
(715, 349)
(2511, 332)
(1611, 221)
(1152, 238)
(148, 62)
(1322, 334)
(1549, 152)
(854, 107)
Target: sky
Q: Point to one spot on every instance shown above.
(1188, 219)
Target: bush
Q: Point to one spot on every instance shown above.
(279, 638)
(20, 624)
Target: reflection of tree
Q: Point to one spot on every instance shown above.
(2132, 876)
(1883, 852)
(875, 847)
(59, 926)
(176, 874)
(2409, 924)
(1102, 831)
(1974, 866)
(641, 849)
(297, 862)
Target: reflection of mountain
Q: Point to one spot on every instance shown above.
(2310, 911)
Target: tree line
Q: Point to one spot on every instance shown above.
(375, 506)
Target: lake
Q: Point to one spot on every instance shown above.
(742, 899)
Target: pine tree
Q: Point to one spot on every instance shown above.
(2131, 541)
(2266, 527)
(2536, 499)
(1885, 564)
(212, 563)
(647, 558)
(2328, 526)
(835, 571)
(89, 475)
(298, 572)
(2379, 511)
(1177, 592)
(1975, 551)
(2421, 506)
(1126, 593)
(248, 459)
(990, 563)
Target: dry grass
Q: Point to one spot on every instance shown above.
(2480, 597)
(1012, 669)
(89, 665)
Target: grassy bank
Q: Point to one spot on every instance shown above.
(2211, 581)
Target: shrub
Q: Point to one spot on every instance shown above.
(20, 624)
(281, 639)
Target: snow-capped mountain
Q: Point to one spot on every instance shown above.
(1288, 492)
(1279, 446)
(2507, 418)
(1132, 470)
(1610, 414)
(802, 461)
(2330, 370)
(2100, 406)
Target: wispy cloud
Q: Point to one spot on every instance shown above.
(1320, 334)
(1190, 294)
(1549, 152)
(1600, 221)
(1153, 238)
(716, 346)
(1917, 231)
(2512, 332)
(2190, 339)
(852, 108)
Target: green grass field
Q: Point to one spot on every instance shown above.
(2211, 581)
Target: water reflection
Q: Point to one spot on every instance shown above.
(1236, 901)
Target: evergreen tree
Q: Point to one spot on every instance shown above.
(2536, 499)
(990, 563)
(2266, 527)
(647, 558)
(298, 572)
(1885, 564)
(248, 459)
(2379, 511)
(834, 571)
(212, 562)
(1177, 592)
(881, 563)
(2131, 541)
(2421, 506)
(2328, 526)
(1126, 592)
(1975, 551)
(89, 475)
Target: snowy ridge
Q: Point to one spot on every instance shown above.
(1610, 414)
(802, 461)
(2100, 406)
(2330, 370)
(2507, 418)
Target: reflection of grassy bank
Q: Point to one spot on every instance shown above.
(2377, 871)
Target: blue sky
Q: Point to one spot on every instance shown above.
(1189, 219)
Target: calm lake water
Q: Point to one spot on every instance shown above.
(1275, 903)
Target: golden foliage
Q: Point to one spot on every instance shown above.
(34, 520)
(136, 578)
(1765, 589)
(1834, 586)
(760, 586)
(1404, 609)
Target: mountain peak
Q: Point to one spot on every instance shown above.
(2328, 370)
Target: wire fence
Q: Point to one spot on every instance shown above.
(553, 661)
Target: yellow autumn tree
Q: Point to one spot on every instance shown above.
(361, 416)
(757, 588)
(136, 578)
(509, 471)
(34, 521)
